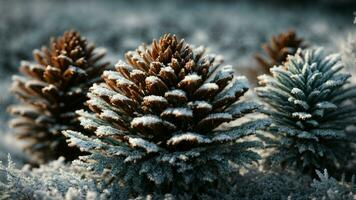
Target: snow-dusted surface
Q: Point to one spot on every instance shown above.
(232, 29)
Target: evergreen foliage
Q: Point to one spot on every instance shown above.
(157, 122)
(309, 102)
(328, 188)
(56, 181)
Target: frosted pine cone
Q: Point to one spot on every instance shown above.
(160, 115)
(52, 88)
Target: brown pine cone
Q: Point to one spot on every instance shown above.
(167, 89)
(161, 114)
(167, 93)
(277, 51)
(52, 88)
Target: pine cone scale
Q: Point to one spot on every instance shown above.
(54, 88)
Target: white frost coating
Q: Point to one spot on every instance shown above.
(192, 137)
(110, 114)
(139, 142)
(154, 98)
(50, 68)
(201, 105)
(302, 115)
(297, 91)
(209, 86)
(134, 55)
(107, 130)
(146, 120)
(152, 79)
(101, 91)
(219, 116)
(168, 69)
(122, 64)
(176, 92)
(111, 75)
(191, 77)
(119, 97)
(120, 80)
(136, 72)
(85, 113)
(332, 83)
(88, 120)
(51, 87)
(96, 102)
(178, 112)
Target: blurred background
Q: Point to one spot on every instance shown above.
(234, 29)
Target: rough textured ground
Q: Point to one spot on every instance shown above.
(232, 29)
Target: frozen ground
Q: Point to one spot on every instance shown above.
(232, 29)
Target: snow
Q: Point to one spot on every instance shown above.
(134, 56)
(301, 115)
(177, 92)
(191, 137)
(304, 104)
(297, 91)
(110, 114)
(200, 105)
(219, 116)
(122, 64)
(209, 86)
(119, 97)
(154, 98)
(191, 78)
(178, 112)
(168, 69)
(137, 72)
(152, 80)
(141, 143)
(95, 102)
(50, 68)
(101, 90)
(146, 120)
(51, 87)
(113, 75)
(108, 131)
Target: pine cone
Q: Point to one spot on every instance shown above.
(159, 114)
(309, 104)
(277, 50)
(51, 90)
